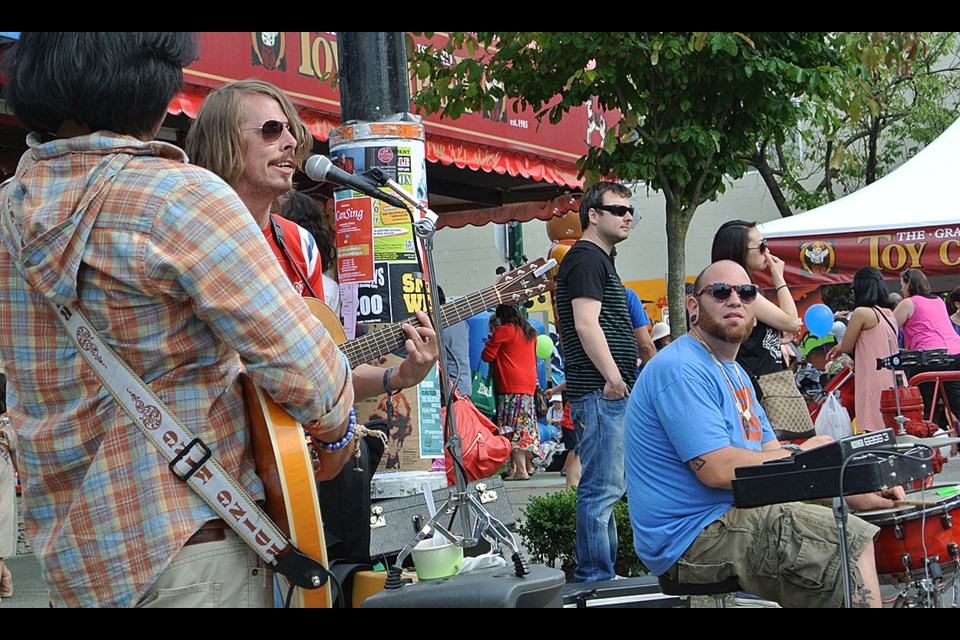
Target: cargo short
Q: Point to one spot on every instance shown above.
(788, 553)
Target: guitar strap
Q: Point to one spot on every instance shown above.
(190, 460)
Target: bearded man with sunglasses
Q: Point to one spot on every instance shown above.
(248, 133)
(600, 361)
(692, 420)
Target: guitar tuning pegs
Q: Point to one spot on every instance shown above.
(541, 299)
(528, 304)
(501, 270)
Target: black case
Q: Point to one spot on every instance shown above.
(394, 523)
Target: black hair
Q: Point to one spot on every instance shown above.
(3, 393)
(869, 289)
(306, 212)
(108, 80)
(593, 197)
(731, 242)
(953, 299)
(510, 314)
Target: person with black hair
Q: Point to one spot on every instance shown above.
(511, 350)
(953, 305)
(303, 210)
(169, 267)
(600, 361)
(871, 333)
(742, 242)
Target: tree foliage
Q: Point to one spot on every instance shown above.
(694, 106)
(899, 93)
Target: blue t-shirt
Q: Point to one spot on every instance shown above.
(681, 407)
(638, 315)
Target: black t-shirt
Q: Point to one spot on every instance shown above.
(588, 272)
(760, 353)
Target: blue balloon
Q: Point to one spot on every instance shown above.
(819, 320)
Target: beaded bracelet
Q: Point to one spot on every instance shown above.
(330, 447)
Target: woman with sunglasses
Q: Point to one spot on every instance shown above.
(871, 333)
(760, 354)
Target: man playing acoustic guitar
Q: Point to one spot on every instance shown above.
(248, 132)
(172, 272)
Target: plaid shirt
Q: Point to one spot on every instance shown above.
(171, 268)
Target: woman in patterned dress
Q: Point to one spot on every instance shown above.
(512, 353)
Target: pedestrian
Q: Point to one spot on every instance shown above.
(600, 364)
(511, 350)
(870, 334)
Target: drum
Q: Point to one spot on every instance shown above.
(922, 529)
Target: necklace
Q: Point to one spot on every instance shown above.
(745, 415)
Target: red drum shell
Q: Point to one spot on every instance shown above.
(907, 531)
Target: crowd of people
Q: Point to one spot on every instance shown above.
(194, 267)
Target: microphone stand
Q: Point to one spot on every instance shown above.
(460, 502)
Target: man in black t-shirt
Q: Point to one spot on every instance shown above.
(600, 356)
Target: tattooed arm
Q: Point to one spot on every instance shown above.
(718, 468)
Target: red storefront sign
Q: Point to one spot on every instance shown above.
(503, 140)
(834, 259)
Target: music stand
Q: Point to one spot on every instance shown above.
(460, 502)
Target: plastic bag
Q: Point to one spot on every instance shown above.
(833, 419)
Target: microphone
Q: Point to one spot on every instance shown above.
(320, 169)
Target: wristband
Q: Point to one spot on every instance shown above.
(783, 286)
(791, 447)
(330, 447)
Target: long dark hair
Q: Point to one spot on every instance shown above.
(731, 242)
(306, 212)
(108, 80)
(869, 289)
(509, 314)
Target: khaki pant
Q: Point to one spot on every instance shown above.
(788, 553)
(225, 574)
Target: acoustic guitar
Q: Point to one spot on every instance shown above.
(280, 446)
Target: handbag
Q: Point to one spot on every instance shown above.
(785, 407)
(540, 402)
(483, 450)
(483, 396)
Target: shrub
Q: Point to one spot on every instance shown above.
(548, 529)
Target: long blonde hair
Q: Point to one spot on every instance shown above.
(215, 141)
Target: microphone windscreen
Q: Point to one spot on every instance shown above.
(317, 168)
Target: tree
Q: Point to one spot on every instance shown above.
(692, 105)
(900, 92)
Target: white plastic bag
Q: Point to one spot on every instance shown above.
(833, 419)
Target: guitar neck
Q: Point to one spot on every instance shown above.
(370, 346)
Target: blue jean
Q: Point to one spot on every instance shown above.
(599, 424)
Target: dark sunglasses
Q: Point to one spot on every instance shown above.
(618, 210)
(271, 130)
(720, 291)
(762, 246)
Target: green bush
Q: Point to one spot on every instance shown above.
(548, 529)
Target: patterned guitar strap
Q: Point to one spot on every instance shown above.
(190, 460)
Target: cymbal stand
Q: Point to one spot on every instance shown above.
(461, 503)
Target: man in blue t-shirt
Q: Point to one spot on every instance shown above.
(691, 420)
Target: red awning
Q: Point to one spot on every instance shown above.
(521, 212)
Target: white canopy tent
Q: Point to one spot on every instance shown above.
(908, 218)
